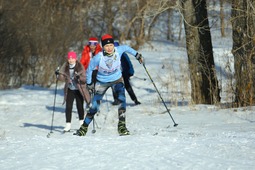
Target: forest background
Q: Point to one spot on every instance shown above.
(36, 35)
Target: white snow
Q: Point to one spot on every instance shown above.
(207, 137)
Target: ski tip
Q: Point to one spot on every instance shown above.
(125, 134)
(175, 125)
(66, 131)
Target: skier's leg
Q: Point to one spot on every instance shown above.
(120, 93)
(120, 90)
(115, 97)
(69, 108)
(130, 90)
(100, 90)
(79, 105)
(94, 108)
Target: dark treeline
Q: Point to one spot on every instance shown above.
(36, 34)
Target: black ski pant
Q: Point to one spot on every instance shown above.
(128, 88)
(71, 95)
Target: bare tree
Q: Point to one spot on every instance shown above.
(243, 50)
(141, 17)
(35, 39)
(204, 83)
(38, 33)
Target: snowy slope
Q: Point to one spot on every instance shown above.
(207, 137)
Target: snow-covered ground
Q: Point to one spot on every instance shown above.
(207, 137)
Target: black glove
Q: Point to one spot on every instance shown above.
(57, 72)
(77, 76)
(139, 58)
(90, 86)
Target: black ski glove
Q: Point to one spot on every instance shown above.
(57, 72)
(139, 58)
(90, 86)
(77, 76)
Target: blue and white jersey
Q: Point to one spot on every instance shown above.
(109, 67)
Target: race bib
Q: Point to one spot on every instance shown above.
(109, 65)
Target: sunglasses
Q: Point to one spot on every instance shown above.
(93, 43)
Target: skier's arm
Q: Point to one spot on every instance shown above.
(138, 56)
(94, 62)
(81, 75)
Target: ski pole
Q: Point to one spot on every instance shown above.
(54, 104)
(92, 93)
(175, 124)
(93, 130)
(107, 103)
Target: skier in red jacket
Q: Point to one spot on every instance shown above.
(89, 51)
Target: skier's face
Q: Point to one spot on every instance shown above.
(72, 60)
(92, 47)
(109, 48)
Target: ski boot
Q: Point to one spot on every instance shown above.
(122, 128)
(67, 128)
(116, 102)
(82, 131)
(137, 102)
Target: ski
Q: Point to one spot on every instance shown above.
(67, 132)
(127, 134)
(75, 133)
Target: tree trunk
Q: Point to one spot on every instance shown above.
(222, 25)
(243, 50)
(204, 82)
(109, 16)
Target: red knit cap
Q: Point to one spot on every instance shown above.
(93, 39)
(107, 39)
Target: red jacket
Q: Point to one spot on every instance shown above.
(86, 55)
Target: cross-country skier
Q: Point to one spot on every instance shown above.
(109, 75)
(89, 51)
(74, 75)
